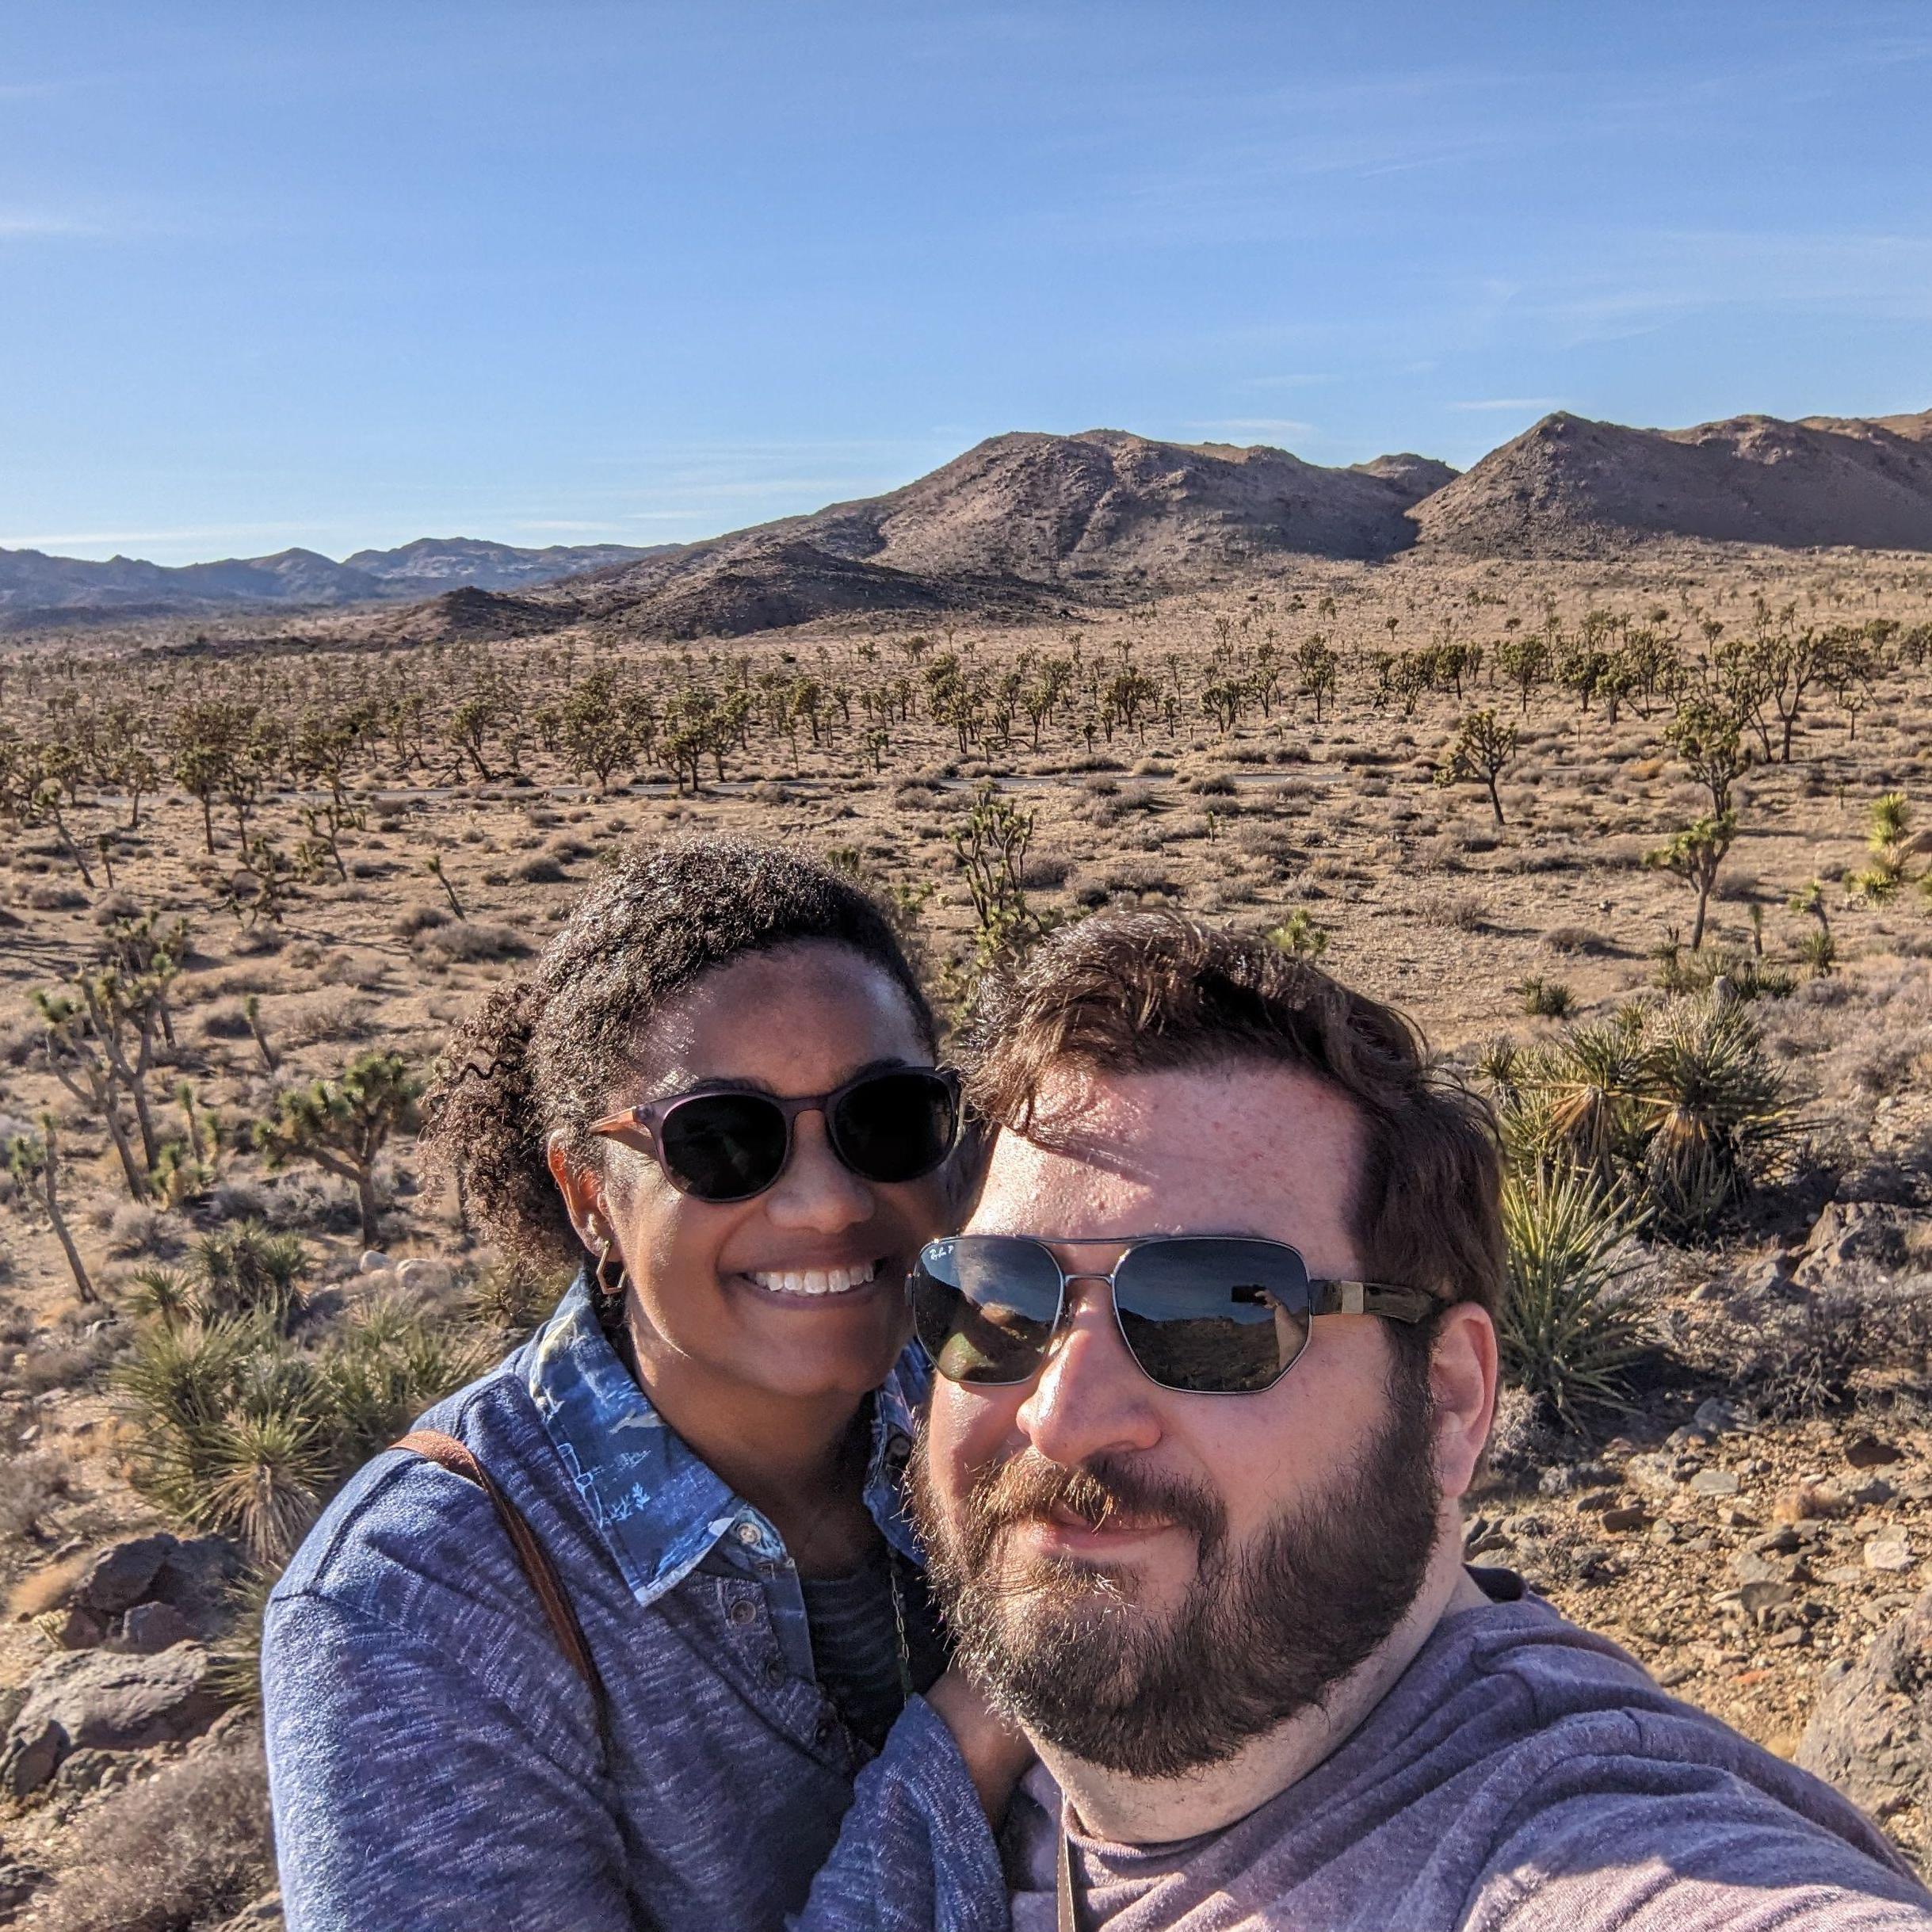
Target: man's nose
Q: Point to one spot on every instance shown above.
(1090, 1398)
(817, 1190)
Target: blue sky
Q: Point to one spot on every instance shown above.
(347, 274)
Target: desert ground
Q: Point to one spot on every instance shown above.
(395, 827)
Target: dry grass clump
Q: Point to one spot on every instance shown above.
(184, 1850)
(31, 1486)
(468, 941)
(1461, 912)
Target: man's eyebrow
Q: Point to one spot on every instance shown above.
(1110, 1153)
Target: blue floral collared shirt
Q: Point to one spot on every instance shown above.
(660, 1509)
(437, 1766)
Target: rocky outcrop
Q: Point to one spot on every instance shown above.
(99, 1700)
(1871, 1731)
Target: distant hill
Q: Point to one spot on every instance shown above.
(1568, 486)
(445, 563)
(37, 588)
(1020, 523)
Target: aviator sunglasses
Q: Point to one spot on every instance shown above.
(728, 1143)
(1217, 1314)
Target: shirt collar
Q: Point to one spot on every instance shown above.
(659, 1508)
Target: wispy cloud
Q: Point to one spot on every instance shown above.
(32, 224)
(93, 540)
(1513, 403)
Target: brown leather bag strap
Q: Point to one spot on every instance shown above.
(447, 1453)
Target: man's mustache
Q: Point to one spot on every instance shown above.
(1027, 1488)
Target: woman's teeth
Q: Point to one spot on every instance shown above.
(817, 1281)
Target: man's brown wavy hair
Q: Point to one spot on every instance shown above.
(1154, 992)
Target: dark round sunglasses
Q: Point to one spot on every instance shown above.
(727, 1143)
(1212, 1314)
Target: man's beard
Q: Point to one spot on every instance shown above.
(1264, 1632)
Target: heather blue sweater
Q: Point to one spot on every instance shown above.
(434, 1762)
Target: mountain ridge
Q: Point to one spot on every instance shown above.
(35, 586)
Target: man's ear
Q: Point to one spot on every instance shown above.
(582, 1189)
(1462, 1385)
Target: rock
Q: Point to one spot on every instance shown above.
(81, 1628)
(1868, 1453)
(99, 1700)
(150, 1629)
(1633, 1517)
(1714, 1483)
(423, 1272)
(1878, 1490)
(82, 1771)
(18, 1883)
(1855, 1230)
(195, 1579)
(1888, 1551)
(123, 1573)
(373, 1261)
(1871, 1729)
(1657, 1474)
(1716, 1416)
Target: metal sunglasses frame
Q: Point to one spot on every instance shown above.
(649, 1119)
(1326, 1296)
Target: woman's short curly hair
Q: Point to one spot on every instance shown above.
(551, 1047)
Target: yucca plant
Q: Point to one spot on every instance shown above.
(384, 1370)
(1715, 1110)
(261, 1478)
(1590, 1083)
(163, 1295)
(1566, 1334)
(244, 1270)
(1544, 999)
(180, 1382)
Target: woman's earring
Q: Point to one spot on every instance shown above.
(611, 1283)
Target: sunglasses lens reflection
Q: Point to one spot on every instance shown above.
(984, 1306)
(1218, 1317)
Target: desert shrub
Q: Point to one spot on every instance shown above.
(1565, 1333)
(31, 1486)
(468, 941)
(1815, 1358)
(1544, 999)
(225, 1021)
(187, 1848)
(324, 1018)
(1575, 939)
(413, 920)
(1462, 912)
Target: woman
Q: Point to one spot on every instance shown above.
(718, 1083)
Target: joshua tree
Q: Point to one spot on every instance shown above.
(1705, 737)
(343, 1124)
(1482, 748)
(1695, 855)
(34, 1161)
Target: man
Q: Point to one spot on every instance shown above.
(1193, 1505)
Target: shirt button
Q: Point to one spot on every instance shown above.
(827, 1730)
(747, 1532)
(774, 1674)
(743, 1611)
